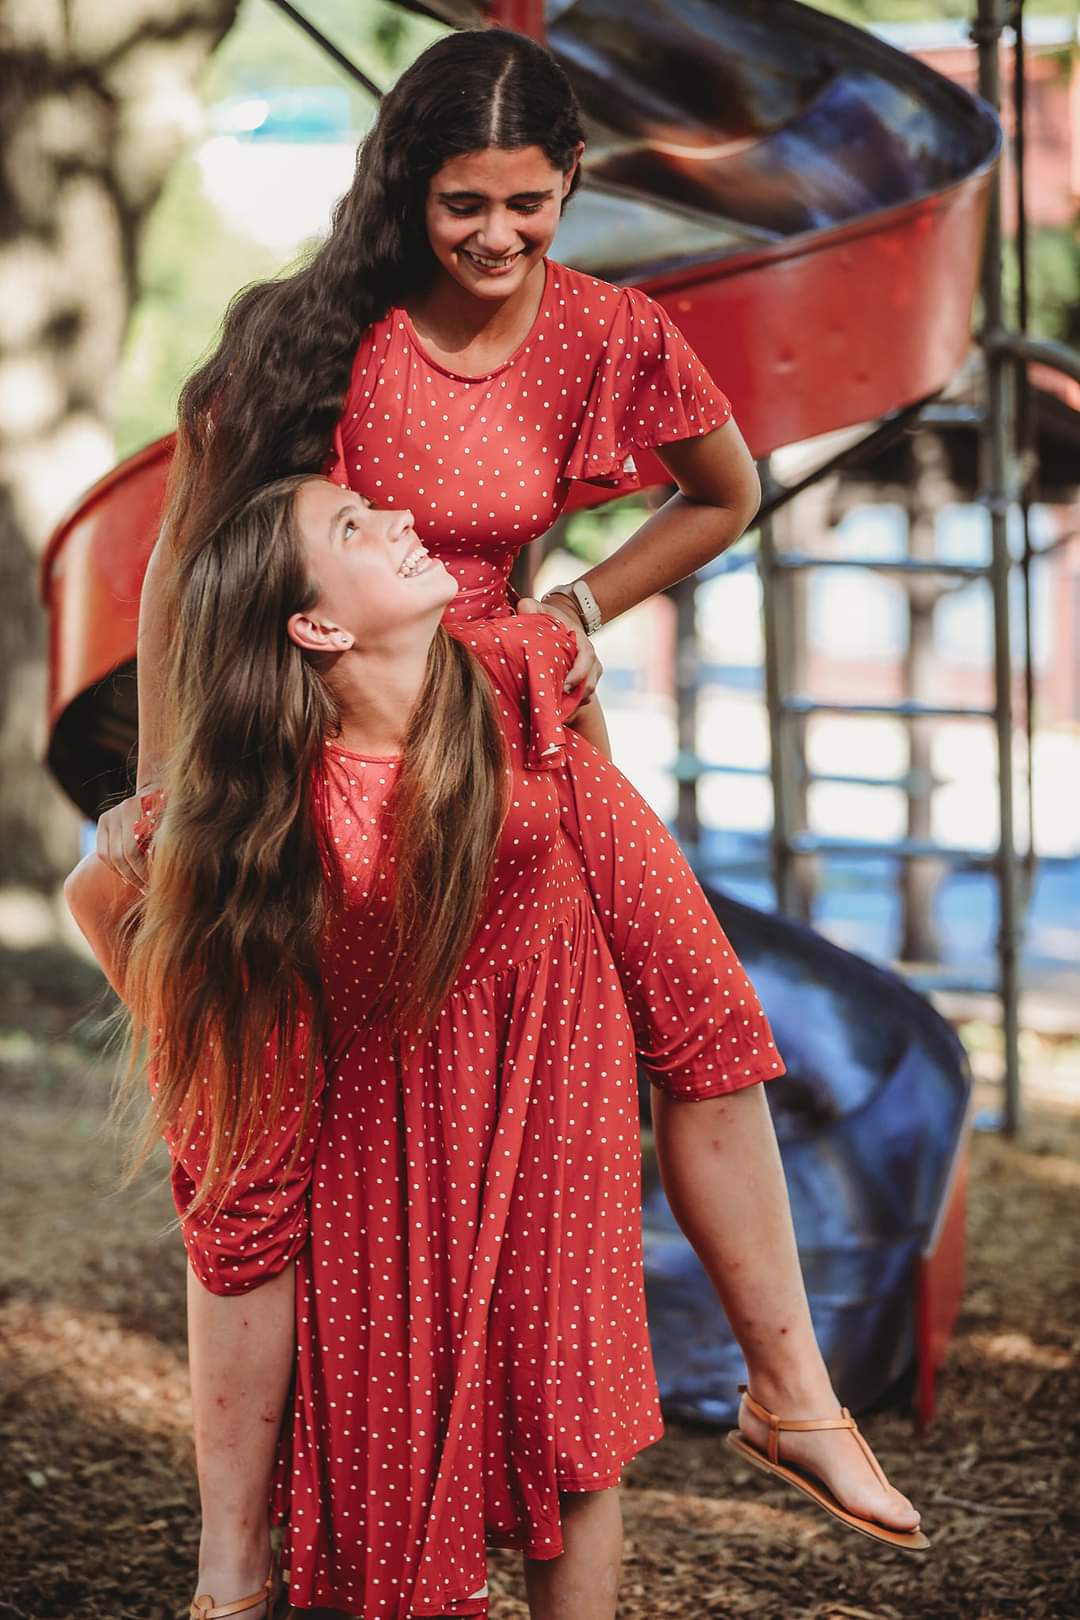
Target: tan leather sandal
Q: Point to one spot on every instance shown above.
(809, 1484)
(203, 1607)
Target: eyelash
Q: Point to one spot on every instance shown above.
(522, 208)
(349, 523)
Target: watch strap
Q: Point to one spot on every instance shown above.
(588, 606)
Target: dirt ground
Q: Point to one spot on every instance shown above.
(99, 1515)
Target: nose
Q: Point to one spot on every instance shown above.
(403, 523)
(497, 236)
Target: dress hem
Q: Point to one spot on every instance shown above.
(508, 1540)
(722, 1085)
(517, 1540)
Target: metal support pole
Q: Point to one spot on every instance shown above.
(1025, 425)
(783, 867)
(996, 448)
(328, 47)
(687, 684)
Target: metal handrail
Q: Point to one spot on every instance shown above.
(902, 709)
(343, 61)
(793, 561)
(1032, 351)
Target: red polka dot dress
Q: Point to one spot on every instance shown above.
(485, 463)
(466, 1219)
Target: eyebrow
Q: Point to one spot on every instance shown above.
(462, 196)
(342, 511)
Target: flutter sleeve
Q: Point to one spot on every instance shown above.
(262, 1223)
(649, 388)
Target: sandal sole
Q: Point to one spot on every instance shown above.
(902, 1540)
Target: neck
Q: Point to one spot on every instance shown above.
(376, 688)
(460, 317)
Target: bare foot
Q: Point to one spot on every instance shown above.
(835, 1457)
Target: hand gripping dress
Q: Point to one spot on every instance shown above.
(466, 1221)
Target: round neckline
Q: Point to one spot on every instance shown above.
(482, 376)
(375, 759)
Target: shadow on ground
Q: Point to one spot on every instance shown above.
(96, 1479)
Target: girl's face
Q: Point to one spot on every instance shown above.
(491, 215)
(374, 576)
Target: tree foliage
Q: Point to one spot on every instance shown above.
(192, 259)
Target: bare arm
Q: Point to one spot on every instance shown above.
(152, 651)
(116, 844)
(98, 900)
(719, 493)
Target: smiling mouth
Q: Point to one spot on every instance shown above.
(492, 264)
(415, 561)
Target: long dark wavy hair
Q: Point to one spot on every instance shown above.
(271, 393)
(220, 964)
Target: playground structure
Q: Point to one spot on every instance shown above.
(760, 170)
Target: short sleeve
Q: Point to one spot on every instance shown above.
(261, 1224)
(528, 656)
(649, 388)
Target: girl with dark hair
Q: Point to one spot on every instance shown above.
(431, 355)
(394, 1020)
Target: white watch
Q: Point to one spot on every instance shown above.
(586, 601)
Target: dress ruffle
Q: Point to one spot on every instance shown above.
(649, 388)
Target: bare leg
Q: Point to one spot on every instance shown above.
(721, 1170)
(589, 722)
(241, 1349)
(583, 1582)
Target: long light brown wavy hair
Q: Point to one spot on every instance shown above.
(221, 955)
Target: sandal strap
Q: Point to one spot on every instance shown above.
(871, 1459)
(799, 1425)
(203, 1608)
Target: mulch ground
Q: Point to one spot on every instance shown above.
(98, 1512)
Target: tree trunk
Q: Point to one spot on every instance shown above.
(96, 102)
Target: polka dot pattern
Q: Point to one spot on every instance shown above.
(470, 1305)
(485, 463)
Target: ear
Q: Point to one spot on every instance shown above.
(315, 635)
(569, 175)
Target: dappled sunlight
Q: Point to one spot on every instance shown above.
(729, 1515)
(1018, 1349)
(1050, 1168)
(113, 1374)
